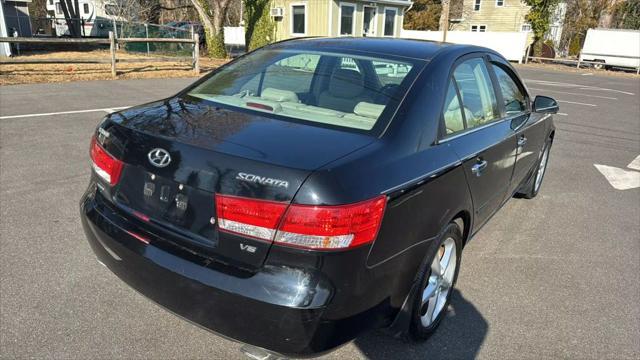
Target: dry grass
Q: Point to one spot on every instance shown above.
(49, 73)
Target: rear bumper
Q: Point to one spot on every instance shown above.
(279, 309)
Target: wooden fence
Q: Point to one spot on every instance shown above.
(112, 41)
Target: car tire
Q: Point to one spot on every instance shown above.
(534, 184)
(427, 314)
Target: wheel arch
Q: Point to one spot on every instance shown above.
(463, 220)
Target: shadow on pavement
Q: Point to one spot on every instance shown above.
(459, 336)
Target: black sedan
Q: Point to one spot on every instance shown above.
(315, 189)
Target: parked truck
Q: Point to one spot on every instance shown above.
(612, 48)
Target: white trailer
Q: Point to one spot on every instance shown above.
(612, 48)
(97, 17)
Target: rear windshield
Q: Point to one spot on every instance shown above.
(344, 90)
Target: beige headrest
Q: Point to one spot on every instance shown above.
(369, 110)
(279, 95)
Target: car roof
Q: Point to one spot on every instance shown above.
(409, 48)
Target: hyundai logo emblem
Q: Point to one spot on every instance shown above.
(159, 157)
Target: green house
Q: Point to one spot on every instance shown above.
(296, 18)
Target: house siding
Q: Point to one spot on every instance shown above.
(335, 31)
(323, 17)
(509, 17)
(316, 18)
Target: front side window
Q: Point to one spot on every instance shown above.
(85, 8)
(316, 87)
(478, 98)
(476, 5)
(347, 12)
(298, 24)
(514, 98)
(478, 28)
(499, 3)
(389, 22)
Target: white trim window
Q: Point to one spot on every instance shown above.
(347, 19)
(478, 28)
(330, 19)
(298, 19)
(499, 3)
(526, 27)
(369, 28)
(476, 5)
(390, 15)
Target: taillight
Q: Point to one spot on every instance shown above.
(106, 166)
(304, 226)
(255, 218)
(332, 227)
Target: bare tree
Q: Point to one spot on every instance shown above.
(71, 11)
(212, 14)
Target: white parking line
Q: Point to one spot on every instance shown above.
(576, 103)
(107, 110)
(571, 93)
(563, 114)
(570, 85)
(635, 164)
(620, 179)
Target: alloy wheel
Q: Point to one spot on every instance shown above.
(435, 294)
(541, 169)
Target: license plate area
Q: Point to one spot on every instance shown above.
(179, 207)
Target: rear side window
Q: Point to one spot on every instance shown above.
(478, 98)
(453, 118)
(514, 98)
(319, 87)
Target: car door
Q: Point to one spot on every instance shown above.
(529, 129)
(474, 128)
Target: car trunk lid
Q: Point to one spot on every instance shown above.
(178, 156)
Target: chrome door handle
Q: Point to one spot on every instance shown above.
(477, 168)
(522, 141)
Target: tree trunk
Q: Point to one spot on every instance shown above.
(212, 21)
(70, 17)
(444, 17)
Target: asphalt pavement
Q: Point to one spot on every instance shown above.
(553, 277)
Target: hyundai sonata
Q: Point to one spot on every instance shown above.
(315, 189)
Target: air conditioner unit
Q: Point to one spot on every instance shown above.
(277, 12)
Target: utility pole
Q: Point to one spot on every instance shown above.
(444, 20)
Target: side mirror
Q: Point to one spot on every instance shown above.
(545, 105)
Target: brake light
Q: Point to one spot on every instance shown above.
(304, 226)
(255, 218)
(106, 166)
(259, 106)
(332, 227)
